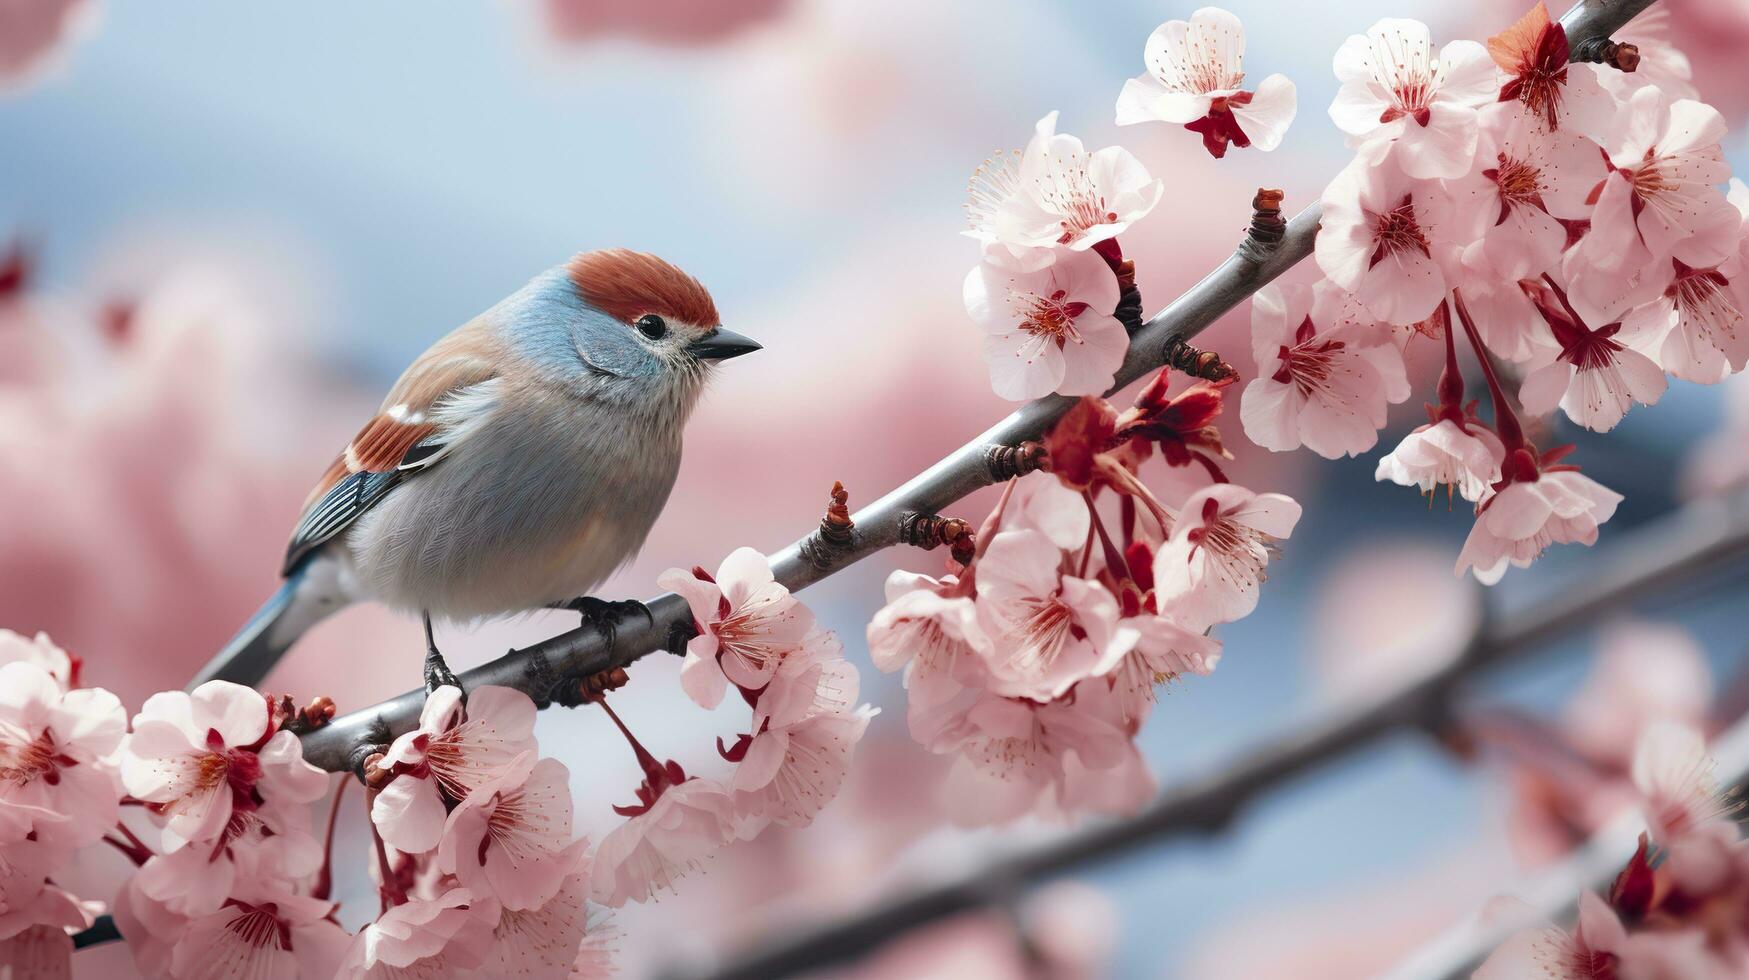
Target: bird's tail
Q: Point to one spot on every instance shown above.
(309, 594)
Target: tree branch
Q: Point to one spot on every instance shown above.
(1554, 892)
(1656, 557)
(581, 652)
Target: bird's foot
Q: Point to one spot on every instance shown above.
(678, 635)
(604, 615)
(438, 674)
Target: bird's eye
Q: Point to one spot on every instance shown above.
(652, 326)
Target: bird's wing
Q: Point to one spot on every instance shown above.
(434, 406)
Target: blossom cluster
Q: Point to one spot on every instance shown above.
(1571, 217)
(1036, 662)
(1676, 909)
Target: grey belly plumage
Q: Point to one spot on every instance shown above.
(517, 516)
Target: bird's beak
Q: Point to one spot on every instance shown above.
(720, 345)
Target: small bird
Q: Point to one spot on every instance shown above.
(514, 466)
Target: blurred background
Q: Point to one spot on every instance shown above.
(232, 225)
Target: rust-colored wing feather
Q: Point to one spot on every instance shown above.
(403, 437)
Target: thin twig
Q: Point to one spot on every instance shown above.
(1656, 557)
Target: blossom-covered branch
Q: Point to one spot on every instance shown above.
(1659, 556)
(585, 651)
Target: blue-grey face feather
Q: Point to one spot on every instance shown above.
(550, 324)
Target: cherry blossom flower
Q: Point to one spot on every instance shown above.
(195, 881)
(1398, 99)
(813, 679)
(1464, 455)
(1047, 630)
(746, 623)
(510, 839)
(1056, 193)
(1163, 652)
(1678, 782)
(42, 652)
(1660, 200)
(1594, 377)
(1195, 70)
(1694, 329)
(1049, 330)
(1013, 751)
(264, 932)
(35, 940)
(39, 32)
(54, 752)
(455, 750)
(150, 927)
(686, 823)
(205, 755)
(789, 773)
(1385, 238)
(932, 631)
(445, 938)
(1212, 567)
(1535, 510)
(545, 941)
(1324, 376)
(1552, 953)
(1528, 180)
(1043, 503)
(1534, 54)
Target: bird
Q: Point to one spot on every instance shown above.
(517, 463)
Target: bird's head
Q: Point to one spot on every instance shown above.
(625, 327)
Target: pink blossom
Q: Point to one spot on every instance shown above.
(261, 933)
(746, 623)
(34, 938)
(1549, 953)
(790, 773)
(1515, 525)
(1040, 501)
(1527, 180)
(1195, 70)
(813, 679)
(510, 839)
(1212, 567)
(1593, 376)
(1324, 375)
(1661, 199)
(198, 880)
(1694, 329)
(1643, 673)
(445, 938)
(1014, 752)
(1503, 315)
(1399, 99)
(150, 927)
(546, 941)
(1462, 454)
(1047, 629)
(932, 631)
(687, 823)
(1163, 652)
(1056, 193)
(1049, 330)
(35, 32)
(455, 750)
(204, 756)
(1386, 238)
(42, 652)
(54, 752)
(1678, 782)
(1534, 55)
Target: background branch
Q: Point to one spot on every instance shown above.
(1700, 538)
(1554, 892)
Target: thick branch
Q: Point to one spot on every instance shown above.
(582, 651)
(1656, 557)
(1554, 892)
